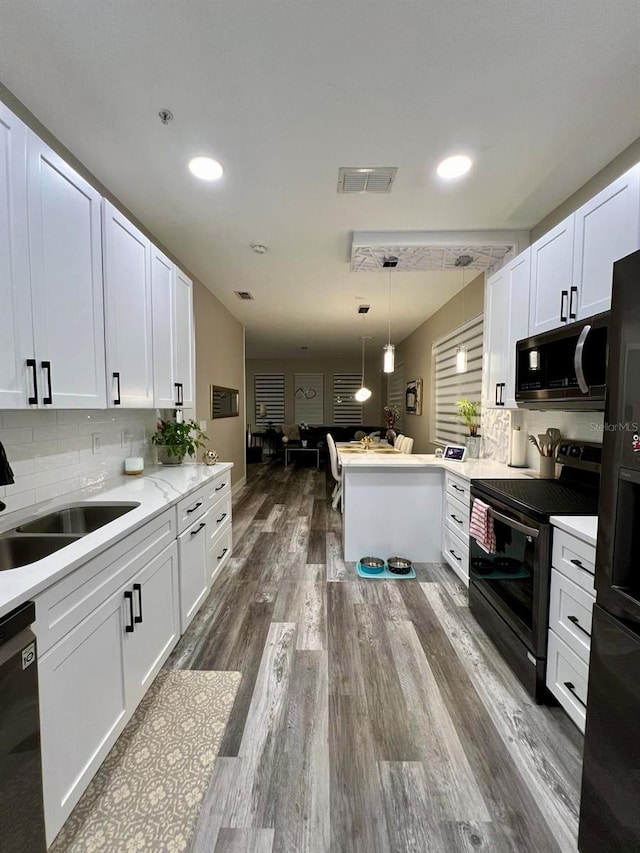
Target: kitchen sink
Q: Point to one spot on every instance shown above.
(77, 520)
(20, 550)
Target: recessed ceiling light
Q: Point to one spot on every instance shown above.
(205, 168)
(454, 167)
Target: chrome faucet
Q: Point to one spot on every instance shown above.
(6, 474)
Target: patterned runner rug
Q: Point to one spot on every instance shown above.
(146, 795)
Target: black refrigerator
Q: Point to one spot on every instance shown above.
(610, 802)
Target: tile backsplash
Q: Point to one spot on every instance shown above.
(498, 423)
(52, 453)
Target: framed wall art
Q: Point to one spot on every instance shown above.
(413, 397)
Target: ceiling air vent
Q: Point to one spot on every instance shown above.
(243, 294)
(362, 179)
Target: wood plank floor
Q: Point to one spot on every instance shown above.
(372, 716)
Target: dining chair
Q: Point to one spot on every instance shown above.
(407, 447)
(398, 441)
(336, 495)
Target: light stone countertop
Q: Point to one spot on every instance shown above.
(156, 490)
(470, 470)
(585, 527)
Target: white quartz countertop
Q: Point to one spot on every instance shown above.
(471, 470)
(155, 491)
(585, 527)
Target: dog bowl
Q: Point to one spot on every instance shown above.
(399, 565)
(371, 565)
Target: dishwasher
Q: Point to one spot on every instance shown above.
(21, 805)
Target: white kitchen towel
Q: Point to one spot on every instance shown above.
(481, 527)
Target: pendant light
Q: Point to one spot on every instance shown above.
(389, 358)
(461, 351)
(363, 393)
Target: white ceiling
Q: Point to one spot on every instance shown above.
(284, 92)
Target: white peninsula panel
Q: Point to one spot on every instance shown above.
(392, 508)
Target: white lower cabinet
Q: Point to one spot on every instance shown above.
(194, 570)
(83, 701)
(152, 599)
(571, 603)
(455, 537)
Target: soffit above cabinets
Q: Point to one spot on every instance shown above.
(424, 251)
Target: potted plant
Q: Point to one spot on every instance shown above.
(176, 440)
(469, 413)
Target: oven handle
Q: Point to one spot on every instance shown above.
(529, 531)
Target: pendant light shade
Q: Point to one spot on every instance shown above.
(461, 360)
(389, 359)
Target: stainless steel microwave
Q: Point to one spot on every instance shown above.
(565, 368)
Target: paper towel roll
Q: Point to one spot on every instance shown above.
(518, 448)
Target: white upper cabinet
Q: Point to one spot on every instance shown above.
(551, 278)
(127, 286)
(506, 321)
(16, 329)
(66, 281)
(572, 265)
(162, 294)
(185, 340)
(173, 337)
(607, 228)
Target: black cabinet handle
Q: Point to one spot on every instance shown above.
(571, 688)
(48, 400)
(503, 385)
(138, 588)
(572, 310)
(576, 622)
(195, 532)
(194, 508)
(179, 394)
(118, 399)
(220, 556)
(31, 362)
(457, 488)
(221, 486)
(459, 559)
(456, 519)
(222, 518)
(128, 596)
(563, 309)
(497, 389)
(581, 565)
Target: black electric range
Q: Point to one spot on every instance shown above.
(509, 588)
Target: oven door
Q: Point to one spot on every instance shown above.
(515, 579)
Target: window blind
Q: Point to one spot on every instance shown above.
(450, 386)
(346, 409)
(268, 391)
(308, 398)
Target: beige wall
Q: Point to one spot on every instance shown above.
(618, 166)
(219, 336)
(220, 361)
(415, 353)
(326, 366)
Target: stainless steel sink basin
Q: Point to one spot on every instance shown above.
(16, 551)
(78, 520)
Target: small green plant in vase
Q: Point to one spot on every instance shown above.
(176, 440)
(469, 414)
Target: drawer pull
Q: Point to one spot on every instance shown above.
(220, 556)
(457, 488)
(451, 551)
(222, 518)
(571, 688)
(576, 622)
(456, 519)
(581, 565)
(221, 486)
(129, 597)
(202, 525)
(194, 508)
